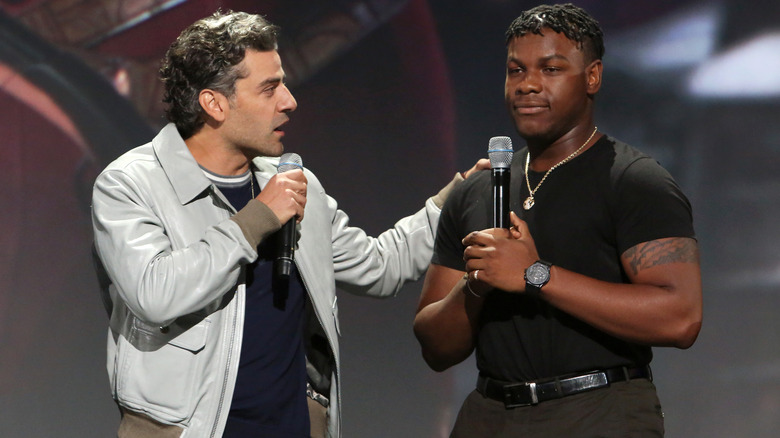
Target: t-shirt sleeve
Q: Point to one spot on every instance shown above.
(651, 205)
(448, 247)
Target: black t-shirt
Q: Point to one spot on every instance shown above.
(587, 213)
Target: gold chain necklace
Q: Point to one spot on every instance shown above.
(529, 201)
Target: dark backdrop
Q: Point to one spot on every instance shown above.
(394, 97)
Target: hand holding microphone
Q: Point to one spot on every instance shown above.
(285, 195)
(285, 192)
(286, 249)
(500, 154)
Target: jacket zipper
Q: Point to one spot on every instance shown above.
(225, 379)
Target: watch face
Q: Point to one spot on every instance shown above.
(537, 273)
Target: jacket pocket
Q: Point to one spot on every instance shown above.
(159, 368)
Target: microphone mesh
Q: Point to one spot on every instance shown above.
(289, 161)
(500, 152)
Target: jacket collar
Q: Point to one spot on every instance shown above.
(183, 171)
(265, 168)
(179, 165)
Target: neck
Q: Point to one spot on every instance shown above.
(210, 152)
(545, 155)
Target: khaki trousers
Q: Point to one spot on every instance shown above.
(136, 425)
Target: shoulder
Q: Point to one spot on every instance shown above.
(474, 185)
(139, 165)
(466, 196)
(631, 165)
(130, 169)
(143, 153)
(466, 205)
(618, 154)
(640, 180)
(166, 142)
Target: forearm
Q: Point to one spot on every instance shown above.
(446, 329)
(256, 221)
(160, 271)
(159, 284)
(660, 304)
(380, 266)
(651, 314)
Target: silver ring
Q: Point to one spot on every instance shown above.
(476, 271)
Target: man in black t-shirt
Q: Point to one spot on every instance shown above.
(600, 263)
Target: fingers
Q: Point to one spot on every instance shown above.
(473, 238)
(285, 195)
(472, 253)
(298, 193)
(475, 264)
(519, 228)
(479, 243)
(299, 203)
(478, 256)
(481, 164)
(489, 237)
(484, 237)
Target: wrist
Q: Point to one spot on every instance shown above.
(467, 289)
(444, 193)
(536, 277)
(257, 221)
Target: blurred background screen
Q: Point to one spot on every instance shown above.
(394, 97)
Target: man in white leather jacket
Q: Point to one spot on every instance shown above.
(173, 252)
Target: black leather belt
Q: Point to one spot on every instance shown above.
(514, 395)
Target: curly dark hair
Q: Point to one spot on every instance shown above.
(206, 56)
(572, 21)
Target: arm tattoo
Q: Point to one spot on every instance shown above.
(661, 252)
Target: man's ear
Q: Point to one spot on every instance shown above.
(214, 104)
(593, 74)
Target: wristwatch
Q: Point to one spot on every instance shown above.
(536, 276)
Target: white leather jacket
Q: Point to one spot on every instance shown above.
(173, 270)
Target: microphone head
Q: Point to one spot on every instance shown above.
(289, 161)
(500, 152)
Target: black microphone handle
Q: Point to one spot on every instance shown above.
(286, 246)
(500, 178)
(284, 259)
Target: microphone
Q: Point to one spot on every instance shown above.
(500, 154)
(286, 251)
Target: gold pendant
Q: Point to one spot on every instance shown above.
(528, 203)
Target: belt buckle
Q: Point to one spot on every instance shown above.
(517, 395)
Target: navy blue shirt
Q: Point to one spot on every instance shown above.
(269, 399)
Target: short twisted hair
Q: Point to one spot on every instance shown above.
(572, 21)
(206, 56)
